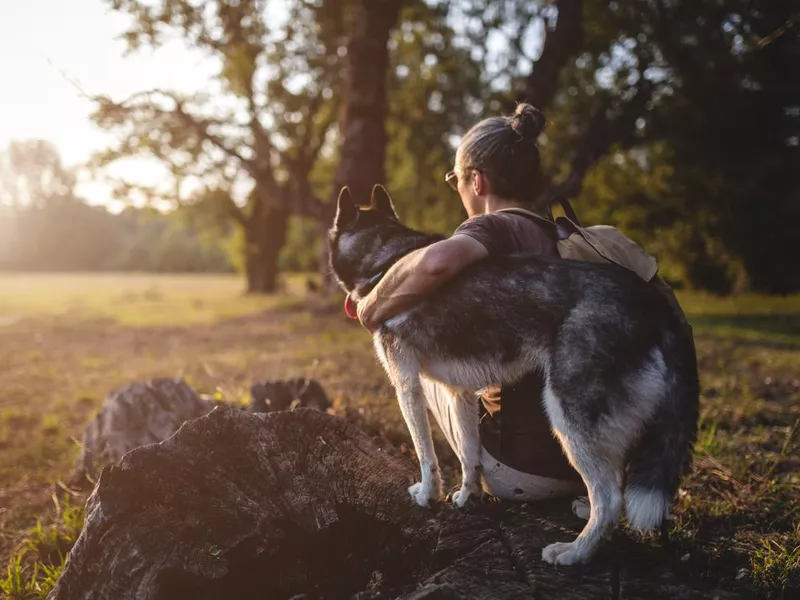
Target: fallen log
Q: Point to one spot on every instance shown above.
(142, 413)
(301, 504)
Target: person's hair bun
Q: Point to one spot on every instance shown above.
(527, 121)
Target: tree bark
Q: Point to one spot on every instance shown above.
(132, 416)
(362, 123)
(561, 45)
(301, 504)
(265, 235)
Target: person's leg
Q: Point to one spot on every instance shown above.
(499, 479)
(509, 484)
(457, 415)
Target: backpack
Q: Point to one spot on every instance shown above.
(602, 243)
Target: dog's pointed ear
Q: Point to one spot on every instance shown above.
(346, 209)
(382, 202)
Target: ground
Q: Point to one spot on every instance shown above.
(67, 340)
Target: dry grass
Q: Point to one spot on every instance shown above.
(66, 341)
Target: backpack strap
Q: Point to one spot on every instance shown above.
(562, 201)
(567, 208)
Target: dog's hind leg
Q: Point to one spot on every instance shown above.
(605, 498)
(457, 415)
(602, 472)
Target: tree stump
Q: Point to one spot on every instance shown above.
(135, 415)
(285, 394)
(301, 504)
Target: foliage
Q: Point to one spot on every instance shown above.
(77, 237)
(696, 97)
(717, 131)
(247, 150)
(677, 121)
(32, 175)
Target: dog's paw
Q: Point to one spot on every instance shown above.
(562, 553)
(423, 494)
(582, 508)
(462, 496)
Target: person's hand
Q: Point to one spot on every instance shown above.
(367, 311)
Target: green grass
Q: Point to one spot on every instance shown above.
(776, 566)
(68, 340)
(131, 299)
(35, 566)
(745, 319)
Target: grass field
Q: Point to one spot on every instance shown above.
(68, 340)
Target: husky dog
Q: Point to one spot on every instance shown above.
(621, 386)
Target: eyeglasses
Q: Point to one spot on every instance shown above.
(451, 178)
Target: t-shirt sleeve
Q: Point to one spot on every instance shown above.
(491, 231)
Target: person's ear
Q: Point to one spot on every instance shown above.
(480, 184)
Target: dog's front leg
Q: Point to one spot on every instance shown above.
(404, 373)
(415, 412)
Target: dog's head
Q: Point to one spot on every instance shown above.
(365, 241)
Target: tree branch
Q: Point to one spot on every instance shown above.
(604, 131)
(560, 46)
(199, 126)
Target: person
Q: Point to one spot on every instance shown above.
(497, 168)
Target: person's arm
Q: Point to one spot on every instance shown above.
(416, 275)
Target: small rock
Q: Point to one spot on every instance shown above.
(686, 557)
(743, 573)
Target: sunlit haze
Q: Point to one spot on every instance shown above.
(51, 50)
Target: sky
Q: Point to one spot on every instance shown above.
(47, 47)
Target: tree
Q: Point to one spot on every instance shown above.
(362, 121)
(635, 86)
(32, 175)
(436, 93)
(702, 87)
(248, 149)
(732, 127)
(40, 215)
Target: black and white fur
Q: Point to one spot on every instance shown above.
(621, 386)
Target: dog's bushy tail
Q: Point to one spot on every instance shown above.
(664, 452)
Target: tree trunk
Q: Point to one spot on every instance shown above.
(362, 125)
(301, 504)
(560, 47)
(264, 238)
